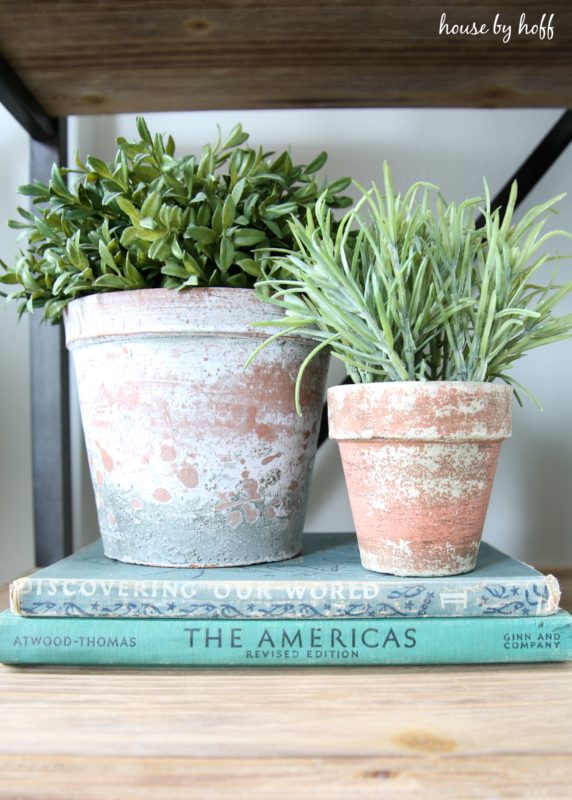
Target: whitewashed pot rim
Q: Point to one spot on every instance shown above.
(375, 420)
(126, 313)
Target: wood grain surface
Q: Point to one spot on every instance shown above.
(388, 778)
(394, 732)
(106, 57)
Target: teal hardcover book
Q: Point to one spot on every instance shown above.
(267, 642)
(326, 582)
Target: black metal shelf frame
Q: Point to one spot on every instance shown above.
(49, 360)
(49, 365)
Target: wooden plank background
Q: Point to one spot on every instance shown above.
(106, 57)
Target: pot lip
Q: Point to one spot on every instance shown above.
(200, 310)
(423, 411)
(420, 387)
(122, 297)
(159, 290)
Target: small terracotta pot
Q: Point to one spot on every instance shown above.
(419, 461)
(195, 461)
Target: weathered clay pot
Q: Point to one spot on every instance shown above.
(419, 461)
(194, 460)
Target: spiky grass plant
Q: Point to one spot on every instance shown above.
(406, 289)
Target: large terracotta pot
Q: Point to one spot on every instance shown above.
(195, 461)
(419, 461)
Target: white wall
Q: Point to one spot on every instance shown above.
(16, 550)
(531, 508)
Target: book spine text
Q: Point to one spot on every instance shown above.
(132, 642)
(36, 597)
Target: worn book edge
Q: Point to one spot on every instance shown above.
(548, 606)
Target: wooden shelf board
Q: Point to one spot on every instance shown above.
(384, 777)
(486, 731)
(110, 57)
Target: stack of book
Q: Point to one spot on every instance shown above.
(320, 608)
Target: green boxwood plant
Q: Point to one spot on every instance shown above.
(410, 288)
(150, 219)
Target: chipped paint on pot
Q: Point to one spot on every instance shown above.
(419, 461)
(194, 460)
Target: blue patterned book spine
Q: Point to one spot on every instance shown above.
(147, 643)
(327, 582)
(408, 598)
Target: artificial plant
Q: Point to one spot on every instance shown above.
(408, 287)
(150, 219)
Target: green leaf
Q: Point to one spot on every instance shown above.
(37, 189)
(228, 212)
(144, 131)
(148, 234)
(192, 266)
(339, 185)
(99, 167)
(201, 234)
(317, 163)
(176, 248)
(129, 209)
(76, 256)
(57, 183)
(53, 309)
(273, 227)
(276, 211)
(236, 138)
(204, 215)
(160, 249)
(250, 203)
(216, 221)
(238, 191)
(206, 164)
(192, 280)
(245, 237)
(9, 278)
(106, 256)
(133, 274)
(250, 266)
(226, 254)
(130, 236)
(175, 270)
(112, 282)
(151, 206)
